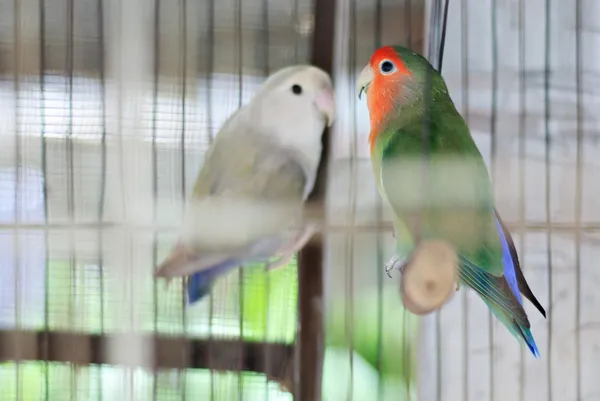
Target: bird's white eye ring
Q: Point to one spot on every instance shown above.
(387, 67)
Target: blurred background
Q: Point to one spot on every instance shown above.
(106, 110)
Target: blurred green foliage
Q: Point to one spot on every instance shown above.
(38, 381)
(388, 344)
(270, 303)
(269, 306)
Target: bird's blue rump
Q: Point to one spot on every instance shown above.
(200, 283)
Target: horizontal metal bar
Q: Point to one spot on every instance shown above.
(274, 360)
(331, 228)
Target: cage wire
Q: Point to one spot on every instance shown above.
(82, 83)
(537, 127)
(107, 110)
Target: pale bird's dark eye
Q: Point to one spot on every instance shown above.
(387, 67)
(297, 89)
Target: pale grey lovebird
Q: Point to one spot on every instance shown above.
(247, 202)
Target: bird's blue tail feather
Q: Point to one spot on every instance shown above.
(528, 337)
(517, 330)
(511, 278)
(200, 283)
(509, 266)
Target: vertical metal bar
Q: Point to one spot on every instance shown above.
(548, 192)
(493, 151)
(210, 12)
(16, 94)
(522, 165)
(132, 57)
(16, 234)
(378, 271)
(71, 180)
(425, 325)
(465, 80)
(45, 351)
(438, 349)
(209, 67)
(265, 40)
(101, 202)
(310, 342)
(239, 51)
(155, 77)
(440, 60)
(184, 58)
(70, 167)
(295, 20)
(408, 22)
(578, 190)
(379, 259)
(349, 243)
(434, 24)
(183, 41)
(240, 55)
(443, 36)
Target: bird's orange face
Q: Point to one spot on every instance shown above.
(382, 81)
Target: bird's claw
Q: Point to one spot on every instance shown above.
(394, 263)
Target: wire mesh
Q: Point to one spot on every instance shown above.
(75, 112)
(524, 107)
(538, 166)
(108, 108)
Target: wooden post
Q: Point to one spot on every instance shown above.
(310, 340)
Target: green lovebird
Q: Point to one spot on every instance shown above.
(429, 170)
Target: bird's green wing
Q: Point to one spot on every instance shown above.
(250, 165)
(447, 195)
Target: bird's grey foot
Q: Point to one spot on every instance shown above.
(394, 263)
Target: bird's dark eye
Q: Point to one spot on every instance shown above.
(387, 67)
(297, 89)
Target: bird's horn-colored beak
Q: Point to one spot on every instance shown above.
(325, 103)
(364, 80)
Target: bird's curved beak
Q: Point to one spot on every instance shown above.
(325, 103)
(364, 80)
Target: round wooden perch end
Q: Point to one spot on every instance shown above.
(429, 278)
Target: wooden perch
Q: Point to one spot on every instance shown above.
(429, 278)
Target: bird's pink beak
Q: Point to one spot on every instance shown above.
(325, 103)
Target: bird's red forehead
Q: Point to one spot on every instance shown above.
(388, 53)
(384, 89)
